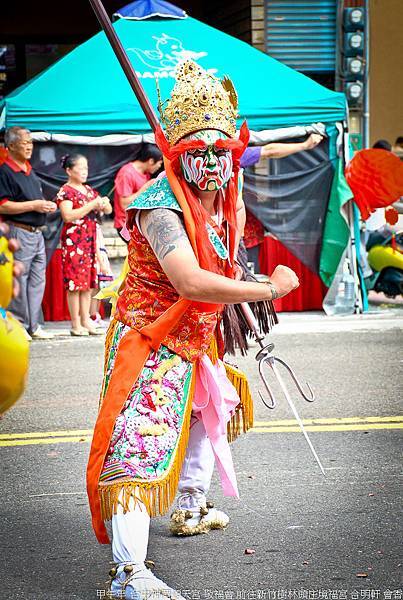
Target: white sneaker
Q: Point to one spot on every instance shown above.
(131, 581)
(41, 334)
(201, 517)
(27, 336)
(98, 321)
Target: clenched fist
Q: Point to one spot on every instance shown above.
(284, 280)
(313, 140)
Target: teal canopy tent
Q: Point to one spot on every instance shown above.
(86, 93)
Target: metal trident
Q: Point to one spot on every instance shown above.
(264, 358)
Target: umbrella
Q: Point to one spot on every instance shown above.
(147, 9)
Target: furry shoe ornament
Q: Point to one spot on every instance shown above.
(199, 519)
(132, 581)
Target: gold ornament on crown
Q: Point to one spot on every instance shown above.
(198, 101)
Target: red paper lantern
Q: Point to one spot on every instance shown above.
(391, 215)
(376, 179)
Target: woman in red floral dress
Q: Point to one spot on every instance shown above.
(79, 204)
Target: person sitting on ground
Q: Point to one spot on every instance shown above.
(79, 204)
(398, 146)
(383, 145)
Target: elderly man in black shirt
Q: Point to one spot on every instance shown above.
(23, 207)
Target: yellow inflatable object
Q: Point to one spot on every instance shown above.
(6, 272)
(380, 257)
(14, 360)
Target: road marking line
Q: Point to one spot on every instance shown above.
(346, 427)
(326, 421)
(274, 423)
(41, 434)
(54, 440)
(82, 493)
(279, 426)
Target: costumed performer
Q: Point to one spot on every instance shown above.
(168, 403)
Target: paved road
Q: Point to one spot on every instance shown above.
(334, 539)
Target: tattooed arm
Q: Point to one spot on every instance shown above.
(167, 236)
(164, 230)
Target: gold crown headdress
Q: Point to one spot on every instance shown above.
(198, 101)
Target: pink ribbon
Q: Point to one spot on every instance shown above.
(214, 402)
(125, 233)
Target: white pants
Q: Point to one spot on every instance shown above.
(130, 531)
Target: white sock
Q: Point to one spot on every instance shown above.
(130, 533)
(198, 466)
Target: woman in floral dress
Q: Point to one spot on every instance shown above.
(79, 204)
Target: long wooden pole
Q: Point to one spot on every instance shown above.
(125, 63)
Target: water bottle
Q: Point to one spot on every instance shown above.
(340, 298)
(329, 302)
(345, 298)
(349, 292)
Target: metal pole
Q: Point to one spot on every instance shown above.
(365, 119)
(296, 415)
(125, 63)
(353, 260)
(339, 44)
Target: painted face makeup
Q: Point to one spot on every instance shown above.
(208, 169)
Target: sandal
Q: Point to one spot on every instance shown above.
(78, 332)
(94, 331)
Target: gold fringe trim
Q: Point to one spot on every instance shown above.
(242, 420)
(212, 351)
(110, 333)
(156, 495)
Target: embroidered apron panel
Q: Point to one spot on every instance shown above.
(147, 430)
